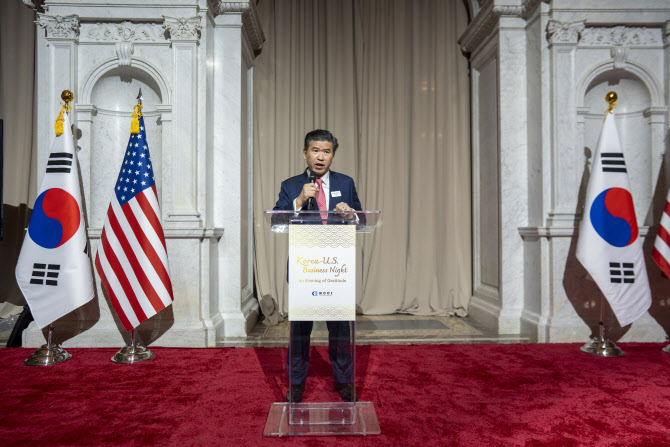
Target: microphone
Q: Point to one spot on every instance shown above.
(310, 201)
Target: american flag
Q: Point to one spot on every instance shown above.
(661, 253)
(132, 256)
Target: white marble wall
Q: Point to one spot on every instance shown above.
(193, 60)
(555, 60)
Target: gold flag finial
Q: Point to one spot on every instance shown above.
(66, 96)
(135, 123)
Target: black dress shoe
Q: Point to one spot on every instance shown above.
(346, 391)
(296, 391)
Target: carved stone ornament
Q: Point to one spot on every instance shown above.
(183, 28)
(124, 51)
(561, 32)
(250, 19)
(666, 33)
(620, 55)
(621, 35)
(125, 32)
(487, 19)
(59, 26)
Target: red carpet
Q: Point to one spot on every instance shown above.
(425, 395)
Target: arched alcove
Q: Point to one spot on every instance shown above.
(113, 96)
(633, 124)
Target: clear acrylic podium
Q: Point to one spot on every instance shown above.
(322, 411)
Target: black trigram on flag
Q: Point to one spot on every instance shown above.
(59, 162)
(622, 272)
(45, 274)
(613, 162)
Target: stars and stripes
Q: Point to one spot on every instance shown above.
(661, 252)
(132, 256)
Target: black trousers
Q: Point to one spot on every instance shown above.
(339, 350)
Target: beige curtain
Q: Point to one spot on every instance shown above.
(389, 80)
(17, 66)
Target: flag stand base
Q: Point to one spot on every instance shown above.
(47, 355)
(602, 347)
(134, 353)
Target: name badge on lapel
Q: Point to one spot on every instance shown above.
(336, 194)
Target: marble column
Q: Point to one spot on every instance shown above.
(513, 168)
(57, 49)
(235, 38)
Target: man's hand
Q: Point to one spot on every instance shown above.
(308, 191)
(344, 207)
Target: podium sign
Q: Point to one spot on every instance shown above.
(322, 268)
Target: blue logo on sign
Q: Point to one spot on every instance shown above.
(315, 293)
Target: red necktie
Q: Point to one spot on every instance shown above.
(321, 200)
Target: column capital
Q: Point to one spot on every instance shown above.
(488, 15)
(59, 27)
(564, 33)
(250, 19)
(183, 28)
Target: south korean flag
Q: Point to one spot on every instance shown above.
(609, 245)
(54, 270)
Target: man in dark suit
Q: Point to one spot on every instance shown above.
(331, 191)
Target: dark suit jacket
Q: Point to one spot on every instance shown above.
(291, 189)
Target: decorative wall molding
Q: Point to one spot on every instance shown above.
(534, 233)
(174, 233)
(125, 50)
(666, 33)
(59, 27)
(125, 32)
(89, 80)
(35, 5)
(621, 35)
(562, 32)
(183, 28)
(487, 19)
(250, 19)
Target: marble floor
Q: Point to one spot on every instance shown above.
(396, 329)
(6, 326)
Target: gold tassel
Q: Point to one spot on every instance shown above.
(135, 123)
(60, 120)
(610, 109)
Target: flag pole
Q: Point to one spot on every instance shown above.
(48, 354)
(600, 345)
(134, 352)
(51, 354)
